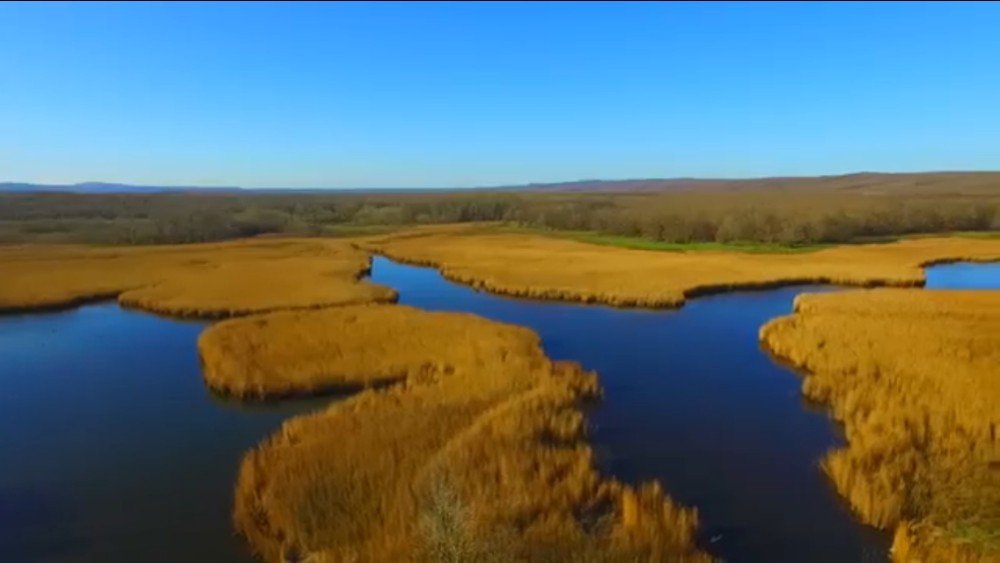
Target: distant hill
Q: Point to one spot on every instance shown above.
(103, 188)
(862, 181)
(869, 182)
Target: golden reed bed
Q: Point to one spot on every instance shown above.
(258, 275)
(198, 280)
(526, 265)
(915, 378)
(478, 451)
(477, 454)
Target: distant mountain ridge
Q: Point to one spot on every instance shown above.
(103, 188)
(856, 181)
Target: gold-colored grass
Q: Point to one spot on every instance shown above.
(197, 280)
(478, 454)
(301, 352)
(915, 378)
(535, 266)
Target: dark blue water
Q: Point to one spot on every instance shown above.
(112, 449)
(692, 401)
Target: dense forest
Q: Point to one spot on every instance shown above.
(781, 211)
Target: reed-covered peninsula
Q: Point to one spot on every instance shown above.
(199, 280)
(914, 376)
(543, 267)
(478, 453)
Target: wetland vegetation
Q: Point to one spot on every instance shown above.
(528, 265)
(480, 415)
(305, 283)
(465, 440)
(912, 375)
(200, 281)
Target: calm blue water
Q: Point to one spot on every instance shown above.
(112, 449)
(964, 276)
(692, 401)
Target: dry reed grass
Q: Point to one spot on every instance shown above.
(915, 378)
(480, 409)
(481, 413)
(198, 280)
(535, 266)
(302, 352)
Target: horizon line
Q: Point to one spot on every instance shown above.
(182, 187)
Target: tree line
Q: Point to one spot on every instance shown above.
(781, 216)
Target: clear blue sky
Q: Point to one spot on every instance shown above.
(374, 95)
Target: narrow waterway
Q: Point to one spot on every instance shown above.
(112, 449)
(692, 401)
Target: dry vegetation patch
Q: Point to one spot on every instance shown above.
(915, 378)
(478, 451)
(529, 265)
(305, 351)
(477, 454)
(198, 280)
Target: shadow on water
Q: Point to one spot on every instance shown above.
(693, 401)
(113, 449)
